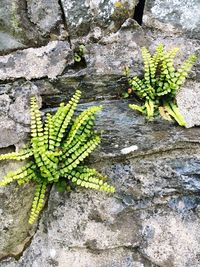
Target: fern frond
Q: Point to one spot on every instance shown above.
(173, 111)
(149, 104)
(158, 55)
(154, 62)
(90, 178)
(21, 155)
(25, 173)
(82, 125)
(41, 161)
(49, 168)
(37, 134)
(32, 175)
(167, 72)
(138, 108)
(36, 123)
(62, 119)
(147, 61)
(79, 155)
(138, 86)
(48, 131)
(182, 72)
(38, 201)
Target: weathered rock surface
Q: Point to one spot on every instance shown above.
(102, 74)
(151, 220)
(154, 166)
(83, 16)
(47, 61)
(11, 132)
(177, 14)
(188, 100)
(44, 14)
(10, 28)
(8, 42)
(13, 238)
(27, 23)
(14, 114)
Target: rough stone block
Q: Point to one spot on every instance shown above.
(46, 61)
(83, 16)
(180, 15)
(27, 23)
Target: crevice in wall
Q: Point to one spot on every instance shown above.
(135, 249)
(9, 149)
(139, 9)
(64, 21)
(174, 150)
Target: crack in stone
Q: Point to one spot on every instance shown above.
(64, 21)
(132, 248)
(164, 151)
(138, 14)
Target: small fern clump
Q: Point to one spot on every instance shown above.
(160, 84)
(57, 151)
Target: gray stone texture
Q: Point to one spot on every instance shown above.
(15, 204)
(44, 14)
(82, 16)
(47, 61)
(153, 218)
(181, 14)
(27, 23)
(8, 42)
(188, 100)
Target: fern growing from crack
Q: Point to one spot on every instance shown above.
(160, 84)
(57, 152)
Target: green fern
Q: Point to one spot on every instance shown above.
(57, 152)
(160, 84)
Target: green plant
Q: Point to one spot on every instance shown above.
(79, 53)
(160, 84)
(57, 151)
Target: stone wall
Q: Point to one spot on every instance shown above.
(153, 218)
